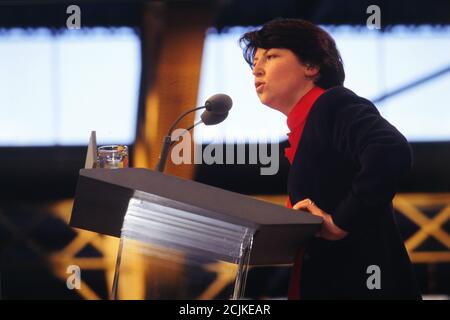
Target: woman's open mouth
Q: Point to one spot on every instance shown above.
(259, 86)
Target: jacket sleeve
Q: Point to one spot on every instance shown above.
(383, 156)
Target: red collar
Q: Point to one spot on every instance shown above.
(296, 120)
(298, 114)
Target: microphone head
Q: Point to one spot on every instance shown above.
(210, 118)
(219, 103)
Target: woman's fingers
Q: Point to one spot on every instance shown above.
(310, 206)
(302, 204)
(328, 230)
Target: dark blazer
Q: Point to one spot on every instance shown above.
(349, 162)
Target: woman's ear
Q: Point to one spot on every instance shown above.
(312, 71)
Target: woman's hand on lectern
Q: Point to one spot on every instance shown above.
(329, 230)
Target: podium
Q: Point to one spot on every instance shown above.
(185, 239)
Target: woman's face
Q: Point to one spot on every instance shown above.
(280, 78)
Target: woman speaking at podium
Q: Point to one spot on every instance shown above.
(346, 163)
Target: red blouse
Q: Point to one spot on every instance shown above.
(296, 121)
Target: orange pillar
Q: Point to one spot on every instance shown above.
(174, 45)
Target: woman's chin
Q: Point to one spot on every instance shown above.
(265, 100)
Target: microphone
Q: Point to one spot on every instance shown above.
(219, 103)
(216, 111)
(210, 118)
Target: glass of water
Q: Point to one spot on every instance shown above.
(112, 157)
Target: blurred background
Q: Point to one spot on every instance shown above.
(134, 66)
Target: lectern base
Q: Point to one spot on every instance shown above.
(166, 253)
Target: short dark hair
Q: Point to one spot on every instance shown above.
(311, 44)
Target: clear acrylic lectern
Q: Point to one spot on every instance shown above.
(180, 239)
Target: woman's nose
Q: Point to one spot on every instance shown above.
(258, 71)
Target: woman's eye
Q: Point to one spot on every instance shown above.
(270, 56)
